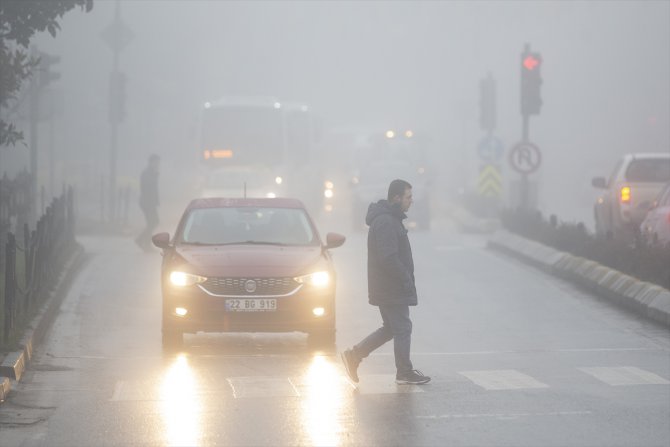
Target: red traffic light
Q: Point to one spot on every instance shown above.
(530, 62)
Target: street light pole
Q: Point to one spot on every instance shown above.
(117, 36)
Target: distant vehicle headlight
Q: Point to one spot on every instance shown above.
(182, 279)
(316, 279)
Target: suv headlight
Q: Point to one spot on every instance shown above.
(183, 279)
(316, 279)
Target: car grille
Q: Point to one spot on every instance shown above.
(239, 286)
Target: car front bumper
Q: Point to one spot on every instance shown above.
(303, 311)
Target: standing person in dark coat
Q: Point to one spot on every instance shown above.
(149, 201)
(390, 284)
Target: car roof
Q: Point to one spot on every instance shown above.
(260, 202)
(648, 155)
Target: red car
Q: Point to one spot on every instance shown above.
(247, 265)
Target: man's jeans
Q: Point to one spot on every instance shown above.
(397, 326)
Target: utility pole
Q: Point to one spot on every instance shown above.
(117, 36)
(38, 83)
(34, 117)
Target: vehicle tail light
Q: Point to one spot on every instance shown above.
(668, 217)
(625, 194)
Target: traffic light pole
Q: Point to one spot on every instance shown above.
(531, 103)
(524, 176)
(113, 120)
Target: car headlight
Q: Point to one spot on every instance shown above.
(183, 279)
(316, 279)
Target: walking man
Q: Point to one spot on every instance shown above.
(149, 201)
(390, 284)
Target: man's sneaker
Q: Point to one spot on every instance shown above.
(414, 377)
(351, 363)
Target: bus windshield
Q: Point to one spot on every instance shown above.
(247, 135)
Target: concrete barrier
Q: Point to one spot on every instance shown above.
(648, 299)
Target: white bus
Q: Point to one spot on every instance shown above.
(260, 137)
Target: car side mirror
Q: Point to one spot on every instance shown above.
(334, 240)
(599, 182)
(161, 240)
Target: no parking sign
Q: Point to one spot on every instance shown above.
(525, 157)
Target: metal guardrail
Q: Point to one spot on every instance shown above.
(33, 265)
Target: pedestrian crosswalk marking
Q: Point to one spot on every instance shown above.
(503, 379)
(372, 384)
(625, 375)
(245, 387)
(505, 416)
(384, 384)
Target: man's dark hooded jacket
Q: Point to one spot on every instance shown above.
(390, 263)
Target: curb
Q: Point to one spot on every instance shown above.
(647, 299)
(14, 363)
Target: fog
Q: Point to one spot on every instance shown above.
(415, 65)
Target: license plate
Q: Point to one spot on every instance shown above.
(251, 305)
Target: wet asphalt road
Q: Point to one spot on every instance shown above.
(518, 358)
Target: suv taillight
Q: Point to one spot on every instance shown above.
(625, 194)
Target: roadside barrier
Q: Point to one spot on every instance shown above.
(32, 265)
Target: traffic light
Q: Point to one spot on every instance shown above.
(45, 75)
(531, 81)
(487, 103)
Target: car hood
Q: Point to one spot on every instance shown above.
(251, 260)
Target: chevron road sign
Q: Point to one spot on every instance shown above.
(490, 181)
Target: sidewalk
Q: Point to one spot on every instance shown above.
(13, 364)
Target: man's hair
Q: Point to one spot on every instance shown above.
(397, 188)
(154, 158)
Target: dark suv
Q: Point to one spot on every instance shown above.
(247, 265)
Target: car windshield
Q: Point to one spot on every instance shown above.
(248, 225)
(651, 170)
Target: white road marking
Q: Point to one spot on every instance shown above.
(134, 390)
(504, 416)
(522, 351)
(384, 384)
(624, 376)
(502, 379)
(250, 387)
